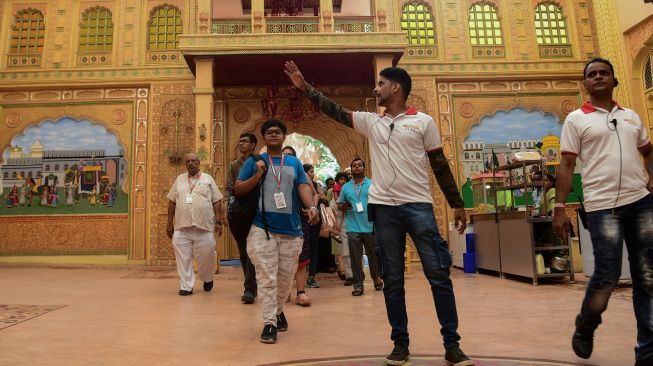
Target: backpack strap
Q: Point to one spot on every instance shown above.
(258, 157)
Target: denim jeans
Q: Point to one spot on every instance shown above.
(416, 219)
(634, 224)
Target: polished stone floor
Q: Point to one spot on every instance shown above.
(55, 314)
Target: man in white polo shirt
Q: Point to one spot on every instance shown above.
(401, 141)
(610, 141)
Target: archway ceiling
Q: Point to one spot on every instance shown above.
(317, 68)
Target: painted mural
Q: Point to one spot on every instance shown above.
(494, 141)
(64, 167)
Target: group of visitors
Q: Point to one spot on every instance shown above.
(373, 216)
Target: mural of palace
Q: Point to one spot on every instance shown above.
(165, 77)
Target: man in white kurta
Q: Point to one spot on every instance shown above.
(193, 215)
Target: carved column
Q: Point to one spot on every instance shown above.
(610, 45)
(380, 12)
(204, 16)
(258, 16)
(326, 16)
(203, 92)
(381, 62)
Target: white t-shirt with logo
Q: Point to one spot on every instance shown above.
(399, 161)
(589, 133)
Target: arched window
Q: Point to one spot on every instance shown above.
(478, 155)
(29, 174)
(65, 167)
(6, 175)
(28, 32)
(417, 22)
(466, 155)
(47, 167)
(96, 30)
(550, 25)
(648, 73)
(484, 25)
(56, 167)
(13, 175)
(164, 27)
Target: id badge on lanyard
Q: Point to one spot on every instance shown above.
(359, 204)
(279, 199)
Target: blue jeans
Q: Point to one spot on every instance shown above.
(634, 224)
(416, 219)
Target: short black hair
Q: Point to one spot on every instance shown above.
(273, 123)
(599, 60)
(400, 76)
(341, 175)
(250, 136)
(551, 178)
(328, 179)
(307, 167)
(294, 152)
(357, 159)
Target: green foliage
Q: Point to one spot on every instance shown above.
(327, 166)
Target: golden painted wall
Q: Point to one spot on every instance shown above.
(158, 102)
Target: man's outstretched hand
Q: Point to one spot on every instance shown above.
(295, 75)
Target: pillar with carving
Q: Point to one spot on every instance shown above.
(258, 16)
(610, 45)
(381, 62)
(203, 92)
(204, 10)
(326, 16)
(380, 9)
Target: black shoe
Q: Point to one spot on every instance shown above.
(646, 362)
(583, 340)
(282, 323)
(349, 281)
(248, 297)
(456, 357)
(399, 355)
(208, 286)
(269, 334)
(185, 293)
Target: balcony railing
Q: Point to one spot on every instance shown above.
(353, 24)
(231, 26)
(293, 24)
(296, 24)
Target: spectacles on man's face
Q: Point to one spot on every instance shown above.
(273, 132)
(244, 141)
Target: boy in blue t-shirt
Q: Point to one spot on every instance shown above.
(274, 250)
(353, 201)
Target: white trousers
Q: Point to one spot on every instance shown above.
(192, 242)
(275, 261)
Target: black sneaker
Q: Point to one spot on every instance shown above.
(456, 357)
(248, 297)
(208, 286)
(269, 334)
(185, 292)
(399, 355)
(583, 340)
(282, 323)
(349, 281)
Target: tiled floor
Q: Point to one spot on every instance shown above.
(133, 316)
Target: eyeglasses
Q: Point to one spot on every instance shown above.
(243, 142)
(273, 132)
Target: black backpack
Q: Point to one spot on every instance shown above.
(243, 208)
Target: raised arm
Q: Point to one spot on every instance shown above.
(448, 185)
(326, 105)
